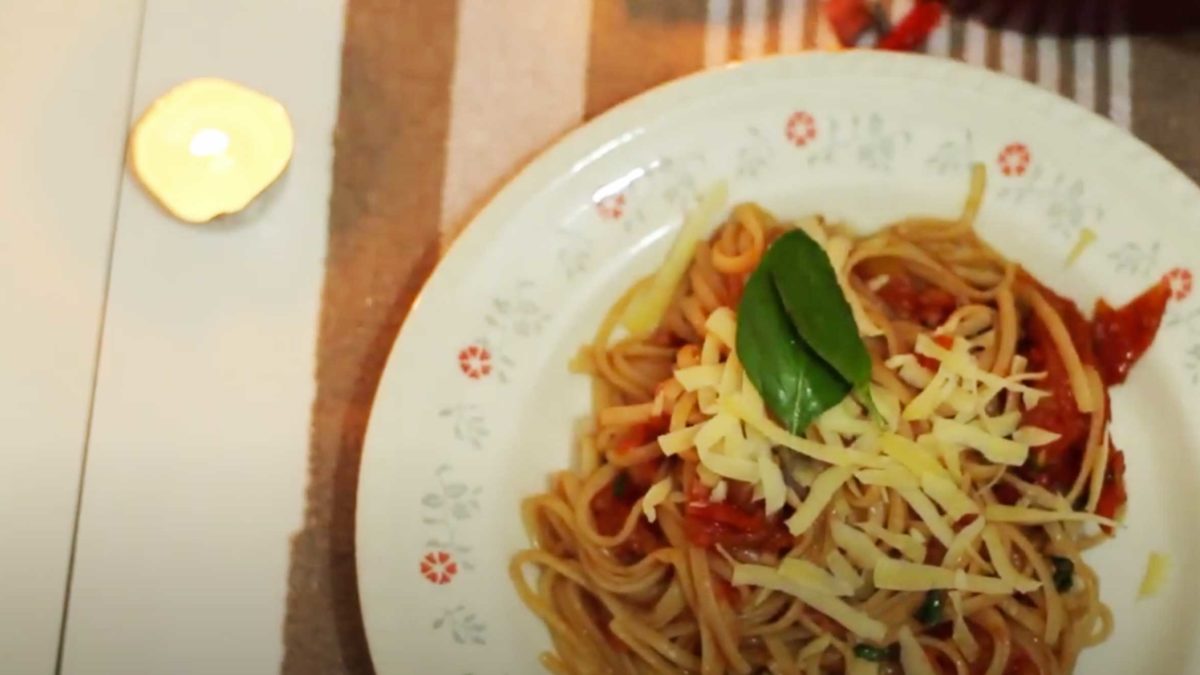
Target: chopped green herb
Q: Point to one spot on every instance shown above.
(932, 609)
(1064, 573)
(620, 485)
(875, 653)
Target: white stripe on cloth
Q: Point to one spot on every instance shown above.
(1085, 71)
(716, 33)
(503, 80)
(754, 29)
(975, 44)
(1120, 98)
(1047, 70)
(1012, 53)
(791, 25)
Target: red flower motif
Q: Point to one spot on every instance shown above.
(1014, 159)
(801, 128)
(1180, 281)
(475, 361)
(438, 567)
(611, 207)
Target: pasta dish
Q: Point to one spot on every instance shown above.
(812, 451)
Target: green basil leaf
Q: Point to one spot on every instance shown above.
(796, 385)
(808, 287)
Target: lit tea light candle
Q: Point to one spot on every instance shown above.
(208, 147)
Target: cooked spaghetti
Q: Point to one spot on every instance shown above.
(932, 521)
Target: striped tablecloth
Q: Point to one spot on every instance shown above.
(443, 100)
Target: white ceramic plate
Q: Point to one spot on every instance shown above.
(476, 405)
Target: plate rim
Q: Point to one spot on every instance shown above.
(595, 138)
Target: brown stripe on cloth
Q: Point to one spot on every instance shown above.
(1103, 58)
(393, 118)
(774, 18)
(636, 45)
(737, 21)
(1166, 98)
(1030, 62)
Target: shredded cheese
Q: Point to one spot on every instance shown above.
(723, 324)
(962, 543)
(740, 407)
(856, 621)
(915, 458)
(901, 575)
(904, 543)
(696, 377)
(929, 515)
(1156, 575)
(819, 496)
(953, 501)
(843, 570)
(646, 309)
(891, 475)
(806, 573)
(995, 449)
(656, 495)
(771, 479)
(1026, 516)
(678, 441)
(857, 545)
(1035, 437)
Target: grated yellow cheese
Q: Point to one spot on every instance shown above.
(728, 467)
(679, 441)
(915, 458)
(995, 449)
(1003, 424)
(719, 492)
(925, 509)
(901, 575)
(858, 546)
(843, 570)
(806, 573)
(962, 544)
(904, 543)
(740, 407)
(936, 392)
(715, 430)
(646, 309)
(1156, 575)
(722, 323)
(694, 378)
(888, 405)
(656, 495)
(819, 496)
(854, 620)
(771, 478)
(953, 501)
(1035, 437)
(891, 475)
(1027, 516)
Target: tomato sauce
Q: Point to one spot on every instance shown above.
(1123, 335)
(1112, 342)
(709, 524)
(913, 299)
